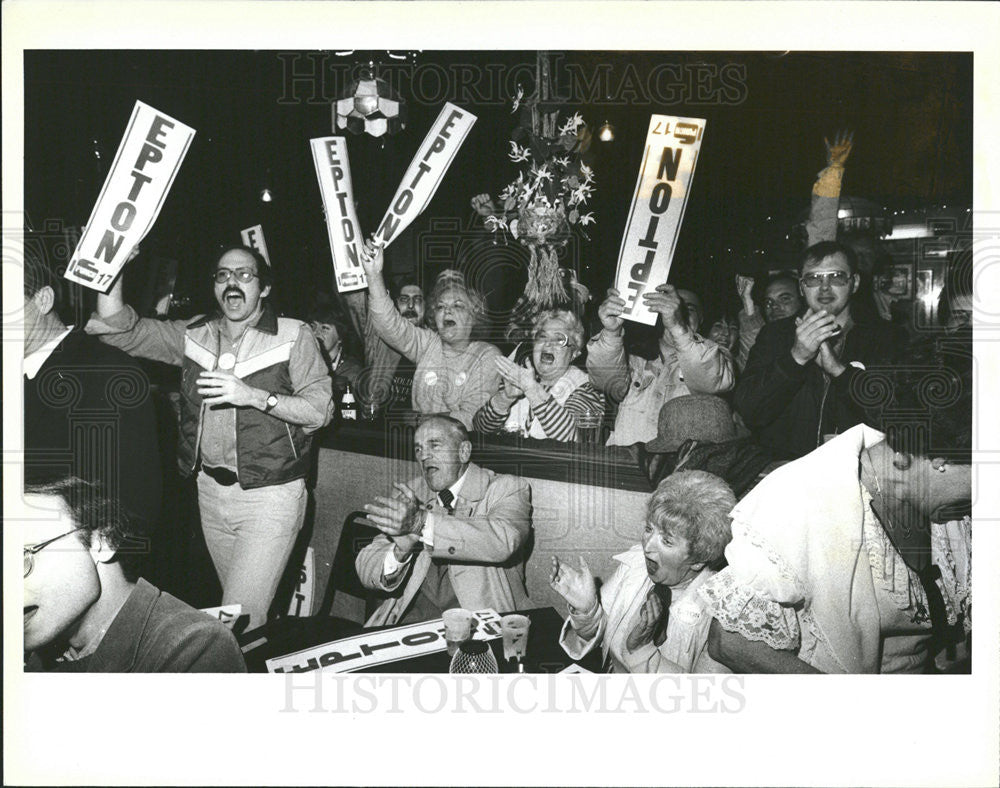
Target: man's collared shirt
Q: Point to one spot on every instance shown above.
(391, 566)
(34, 360)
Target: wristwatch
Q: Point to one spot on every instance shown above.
(272, 400)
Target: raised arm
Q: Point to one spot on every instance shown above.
(607, 363)
(822, 225)
(117, 324)
(390, 326)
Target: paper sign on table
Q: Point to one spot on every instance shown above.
(144, 168)
(654, 222)
(302, 597)
(227, 614)
(254, 238)
(377, 648)
(426, 171)
(334, 174)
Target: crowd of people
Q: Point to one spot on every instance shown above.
(849, 552)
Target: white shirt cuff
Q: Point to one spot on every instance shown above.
(427, 534)
(391, 566)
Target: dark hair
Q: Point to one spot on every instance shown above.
(36, 273)
(94, 513)
(264, 272)
(824, 249)
(328, 312)
(779, 276)
(924, 406)
(399, 282)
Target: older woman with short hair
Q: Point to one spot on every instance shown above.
(544, 396)
(648, 617)
(455, 375)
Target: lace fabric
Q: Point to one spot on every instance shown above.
(739, 609)
(889, 570)
(951, 551)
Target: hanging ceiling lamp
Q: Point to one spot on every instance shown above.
(606, 133)
(370, 106)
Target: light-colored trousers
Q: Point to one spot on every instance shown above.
(250, 535)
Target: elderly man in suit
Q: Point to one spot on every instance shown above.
(455, 536)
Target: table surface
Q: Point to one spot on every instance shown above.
(290, 634)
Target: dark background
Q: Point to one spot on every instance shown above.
(254, 112)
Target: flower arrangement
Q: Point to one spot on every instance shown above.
(547, 200)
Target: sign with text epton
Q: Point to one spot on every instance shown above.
(379, 648)
(333, 170)
(426, 171)
(144, 168)
(654, 221)
(254, 238)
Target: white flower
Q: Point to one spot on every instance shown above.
(517, 99)
(517, 153)
(587, 173)
(587, 218)
(571, 125)
(494, 223)
(541, 173)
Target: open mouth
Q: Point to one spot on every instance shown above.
(448, 323)
(29, 612)
(546, 357)
(651, 566)
(234, 298)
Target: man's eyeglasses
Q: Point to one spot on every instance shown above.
(406, 300)
(29, 552)
(223, 275)
(834, 278)
(557, 338)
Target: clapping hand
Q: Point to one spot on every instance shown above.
(828, 360)
(576, 586)
(811, 330)
(220, 387)
(837, 153)
(516, 379)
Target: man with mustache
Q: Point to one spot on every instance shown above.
(453, 537)
(254, 388)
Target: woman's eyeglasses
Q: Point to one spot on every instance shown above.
(223, 275)
(557, 338)
(29, 552)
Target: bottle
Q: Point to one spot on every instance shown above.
(348, 406)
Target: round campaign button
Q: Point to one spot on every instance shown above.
(430, 378)
(460, 378)
(227, 361)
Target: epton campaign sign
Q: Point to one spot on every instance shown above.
(426, 171)
(144, 168)
(334, 174)
(654, 222)
(254, 238)
(378, 648)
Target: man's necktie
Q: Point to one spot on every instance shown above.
(447, 498)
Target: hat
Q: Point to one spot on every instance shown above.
(703, 417)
